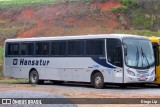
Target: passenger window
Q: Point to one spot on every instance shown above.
(16, 49)
(42, 48)
(95, 47)
(24, 49)
(13, 49)
(45, 48)
(27, 49)
(114, 52)
(39, 49)
(30, 48)
(58, 48)
(76, 47)
(10, 49)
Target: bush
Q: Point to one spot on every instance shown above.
(119, 9)
(129, 3)
(141, 22)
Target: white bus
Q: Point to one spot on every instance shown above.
(98, 59)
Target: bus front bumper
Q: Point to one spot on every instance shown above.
(133, 79)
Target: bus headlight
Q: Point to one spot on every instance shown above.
(131, 72)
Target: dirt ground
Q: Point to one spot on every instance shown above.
(81, 92)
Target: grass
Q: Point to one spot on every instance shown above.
(1, 55)
(14, 4)
(1, 73)
(5, 4)
(138, 32)
(13, 81)
(22, 2)
(1, 63)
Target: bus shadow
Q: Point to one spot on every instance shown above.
(107, 86)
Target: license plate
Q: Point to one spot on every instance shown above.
(143, 78)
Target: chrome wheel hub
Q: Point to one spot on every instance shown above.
(98, 81)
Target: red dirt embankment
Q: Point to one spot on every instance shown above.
(73, 18)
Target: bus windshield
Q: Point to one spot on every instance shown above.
(138, 53)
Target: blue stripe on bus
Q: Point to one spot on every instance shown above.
(102, 62)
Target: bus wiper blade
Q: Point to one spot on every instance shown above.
(144, 55)
(137, 56)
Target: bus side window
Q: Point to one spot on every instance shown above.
(30, 48)
(58, 48)
(27, 49)
(13, 49)
(76, 47)
(39, 48)
(16, 49)
(46, 48)
(114, 52)
(95, 47)
(24, 49)
(10, 49)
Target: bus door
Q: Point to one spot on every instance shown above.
(115, 57)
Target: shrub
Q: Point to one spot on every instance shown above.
(119, 9)
(129, 3)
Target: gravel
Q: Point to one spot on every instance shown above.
(33, 94)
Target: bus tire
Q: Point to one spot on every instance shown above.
(33, 77)
(98, 80)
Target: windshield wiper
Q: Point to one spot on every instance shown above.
(144, 55)
(137, 56)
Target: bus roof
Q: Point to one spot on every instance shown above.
(120, 36)
(155, 39)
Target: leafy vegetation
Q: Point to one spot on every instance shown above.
(13, 81)
(119, 9)
(129, 3)
(1, 62)
(22, 2)
(4, 4)
(1, 55)
(138, 32)
(142, 14)
(1, 72)
(10, 29)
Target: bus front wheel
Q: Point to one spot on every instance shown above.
(98, 80)
(33, 77)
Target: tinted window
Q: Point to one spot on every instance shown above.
(42, 48)
(76, 47)
(10, 49)
(27, 49)
(45, 48)
(30, 48)
(16, 49)
(58, 48)
(38, 48)
(114, 52)
(95, 47)
(23, 49)
(13, 49)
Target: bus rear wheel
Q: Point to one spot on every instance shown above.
(98, 80)
(34, 77)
